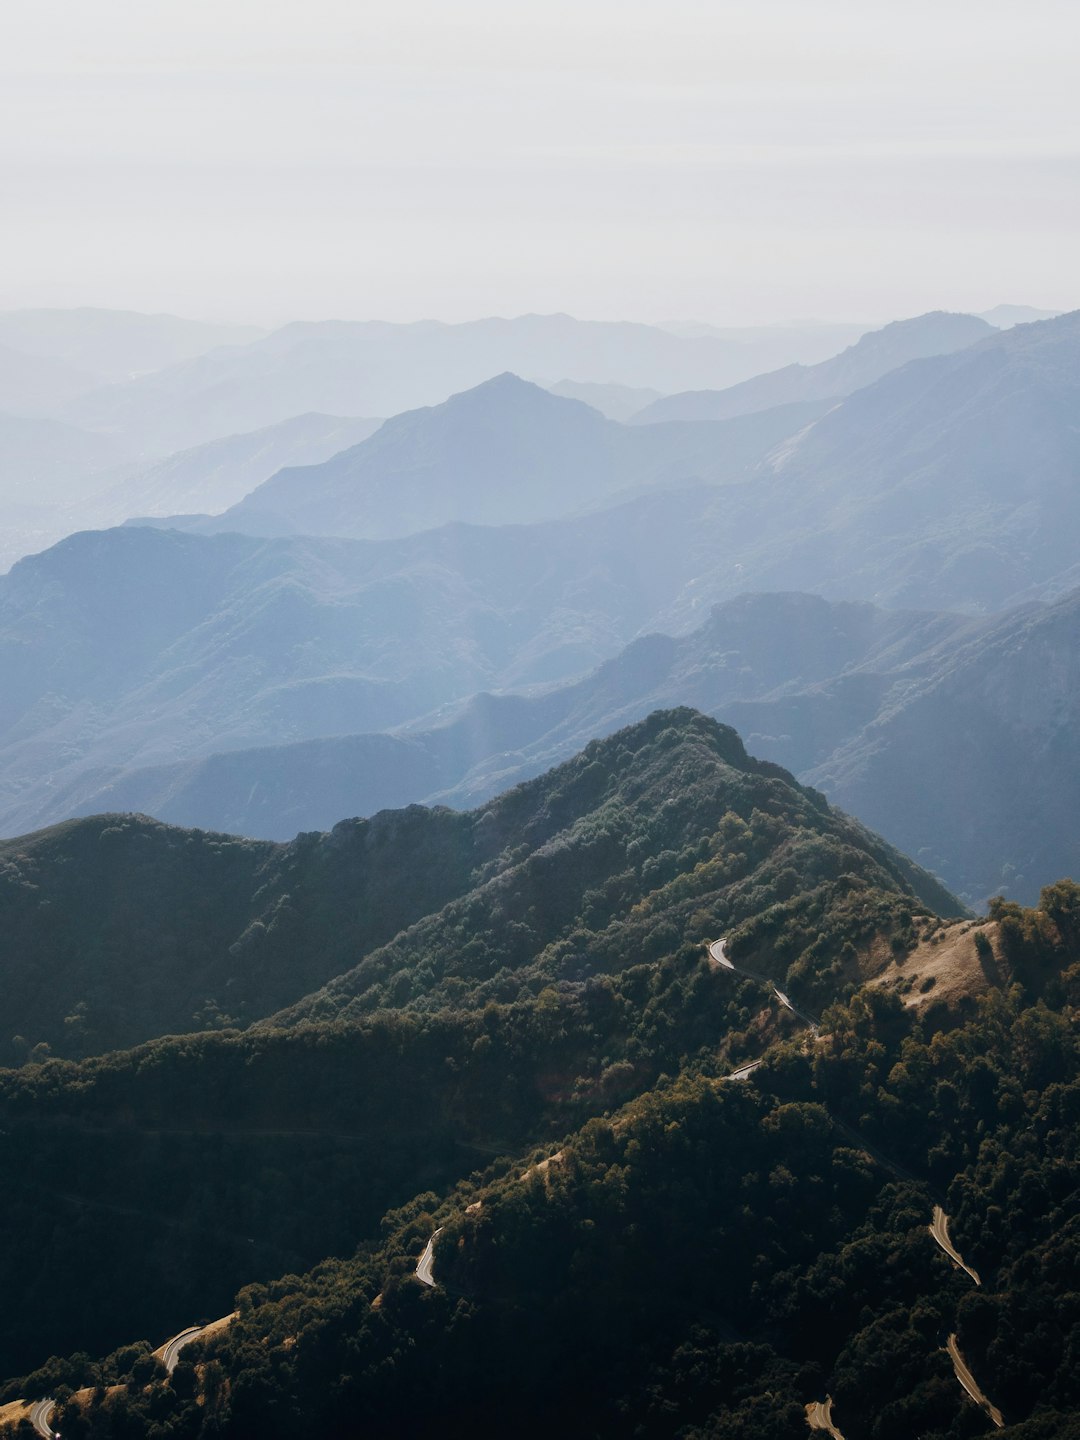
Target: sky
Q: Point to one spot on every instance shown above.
(735, 163)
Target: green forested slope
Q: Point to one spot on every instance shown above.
(117, 928)
(568, 975)
(710, 1257)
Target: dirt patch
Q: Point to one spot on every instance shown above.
(13, 1412)
(542, 1167)
(949, 968)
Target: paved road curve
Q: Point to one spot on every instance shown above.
(41, 1411)
(169, 1354)
(718, 955)
(970, 1384)
(744, 1071)
(819, 1417)
(939, 1229)
(41, 1417)
(427, 1259)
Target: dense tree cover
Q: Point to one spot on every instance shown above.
(702, 1261)
(567, 978)
(648, 1248)
(118, 929)
(217, 1158)
(664, 834)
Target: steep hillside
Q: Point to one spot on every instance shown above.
(714, 1256)
(504, 453)
(973, 768)
(681, 1253)
(871, 357)
(137, 646)
(213, 476)
(544, 955)
(950, 482)
(119, 928)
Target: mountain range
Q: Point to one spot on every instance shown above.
(64, 480)
(931, 727)
(578, 883)
(157, 650)
(112, 345)
(629, 1084)
(506, 452)
(375, 368)
(544, 1139)
(872, 356)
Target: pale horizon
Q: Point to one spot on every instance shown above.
(736, 165)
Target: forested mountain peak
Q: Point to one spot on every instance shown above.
(121, 928)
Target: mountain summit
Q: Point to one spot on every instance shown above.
(504, 452)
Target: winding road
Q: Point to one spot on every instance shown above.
(939, 1229)
(970, 1384)
(41, 1411)
(818, 1413)
(169, 1354)
(819, 1417)
(427, 1259)
(718, 956)
(41, 1417)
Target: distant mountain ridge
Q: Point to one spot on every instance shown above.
(867, 360)
(505, 452)
(109, 345)
(378, 368)
(949, 735)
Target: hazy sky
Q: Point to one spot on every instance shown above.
(733, 162)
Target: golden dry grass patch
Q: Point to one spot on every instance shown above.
(13, 1412)
(948, 967)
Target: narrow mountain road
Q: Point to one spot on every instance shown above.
(744, 1071)
(939, 1229)
(818, 1414)
(169, 1353)
(427, 1259)
(41, 1417)
(819, 1417)
(718, 956)
(41, 1411)
(970, 1384)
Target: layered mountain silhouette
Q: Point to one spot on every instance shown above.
(61, 480)
(617, 402)
(871, 357)
(221, 472)
(111, 345)
(376, 368)
(948, 484)
(931, 727)
(506, 452)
